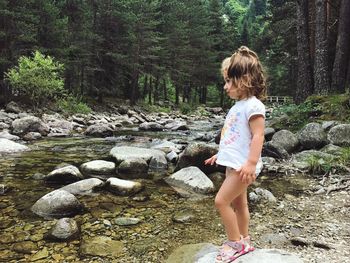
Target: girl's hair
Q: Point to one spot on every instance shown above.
(225, 65)
(247, 73)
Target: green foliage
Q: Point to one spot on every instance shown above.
(37, 77)
(72, 105)
(186, 108)
(345, 156)
(318, 165)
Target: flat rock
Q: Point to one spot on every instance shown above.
(8, 146)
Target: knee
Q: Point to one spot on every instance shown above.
(220, 202)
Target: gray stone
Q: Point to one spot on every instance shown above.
(100, 130)
(32, 136)
(195, 154)
(13, 107)
(312, 136)
(68, 173)
(274, 150)
(84, 187)
(206, 253)
(340, 135)
(301, 160)
(123, 187)
(191, 179)
(29, 124)
(155, 158)
(177, 126)
(64, 229)
(7, 146)
(259, 194)
(98, 168)
(286, 139)
(332, 149)
(269, 132)
(151, 126)
(133, 168)
(58, 203)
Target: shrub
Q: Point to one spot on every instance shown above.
(71, 105)
(37, 77)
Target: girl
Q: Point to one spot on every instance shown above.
(240, 148)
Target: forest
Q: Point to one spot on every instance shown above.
(170, 51)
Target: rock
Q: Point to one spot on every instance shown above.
(272, 239)
(32, 136)
(332, 149)
(340, 135)
(272, 149)
(259, 194)
(286, 139)
(98, 168)
(195, 154)
(29, 124)
(191, 179)
(101, 246)
(84, 187)
(299, 241)
(327, 125)
(206, 253)
(7, 146)
(302, 160)
(177, 126)
(183, 217)
(155, 158)
(312, 136)
(4, 126)
(127, 221)
(6, 135)
(133, 168)
(66, 174)
(13, 107)
(123, 187)
(172, 157)
(58, 203)
(166, 146)
(151, 126)
(44, 253)
(25, 247)
(65, 229)
(269, 132)
(100, 130)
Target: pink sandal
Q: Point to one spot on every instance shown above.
(230, 251)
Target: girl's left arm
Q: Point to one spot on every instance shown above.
(257, 127)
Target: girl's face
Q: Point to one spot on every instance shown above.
(230, 87)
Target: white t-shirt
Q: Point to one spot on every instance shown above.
(236, 135)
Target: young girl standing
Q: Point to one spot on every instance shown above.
(240, 148)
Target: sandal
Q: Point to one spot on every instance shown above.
(248, 247)
(230, 251)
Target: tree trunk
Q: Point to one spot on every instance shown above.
(150, 87)
(156, 91)
(177, 93)
(304, 82)
(340, 66)
(321, 72)
(165, 90)
(145, 86)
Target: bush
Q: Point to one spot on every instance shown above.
(37, 77)
(71, 105)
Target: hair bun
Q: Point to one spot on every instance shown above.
(244, 50)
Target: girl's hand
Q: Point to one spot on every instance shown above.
(211, 160)
(247, 173)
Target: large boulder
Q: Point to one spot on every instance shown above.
(6, 135)
(151, 126)
(65, 229)
(286, 139)
(133, 168)
(206, 253)
(272, 149)
(84, 187)
(312, 136)
(340, 135)
(66, 174)
(155, 158)
(195, 154)
(123, 187)
(100, 130)
(98, 168)
(191, 179)
(29, 124)
(7, 146)
(303, 160)
(57, 204)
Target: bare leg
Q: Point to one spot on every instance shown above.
(240, 205)
(230, 189)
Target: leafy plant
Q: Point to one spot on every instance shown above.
(37, 77)
(71, 105)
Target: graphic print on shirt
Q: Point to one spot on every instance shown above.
(230, 130)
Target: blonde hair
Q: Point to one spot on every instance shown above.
(247, 73)
(225, 65)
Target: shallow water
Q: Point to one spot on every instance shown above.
(154, 237)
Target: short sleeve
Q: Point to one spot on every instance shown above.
(256, 107)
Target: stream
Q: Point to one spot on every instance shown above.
(152, 240)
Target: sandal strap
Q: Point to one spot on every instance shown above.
(236, 245)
